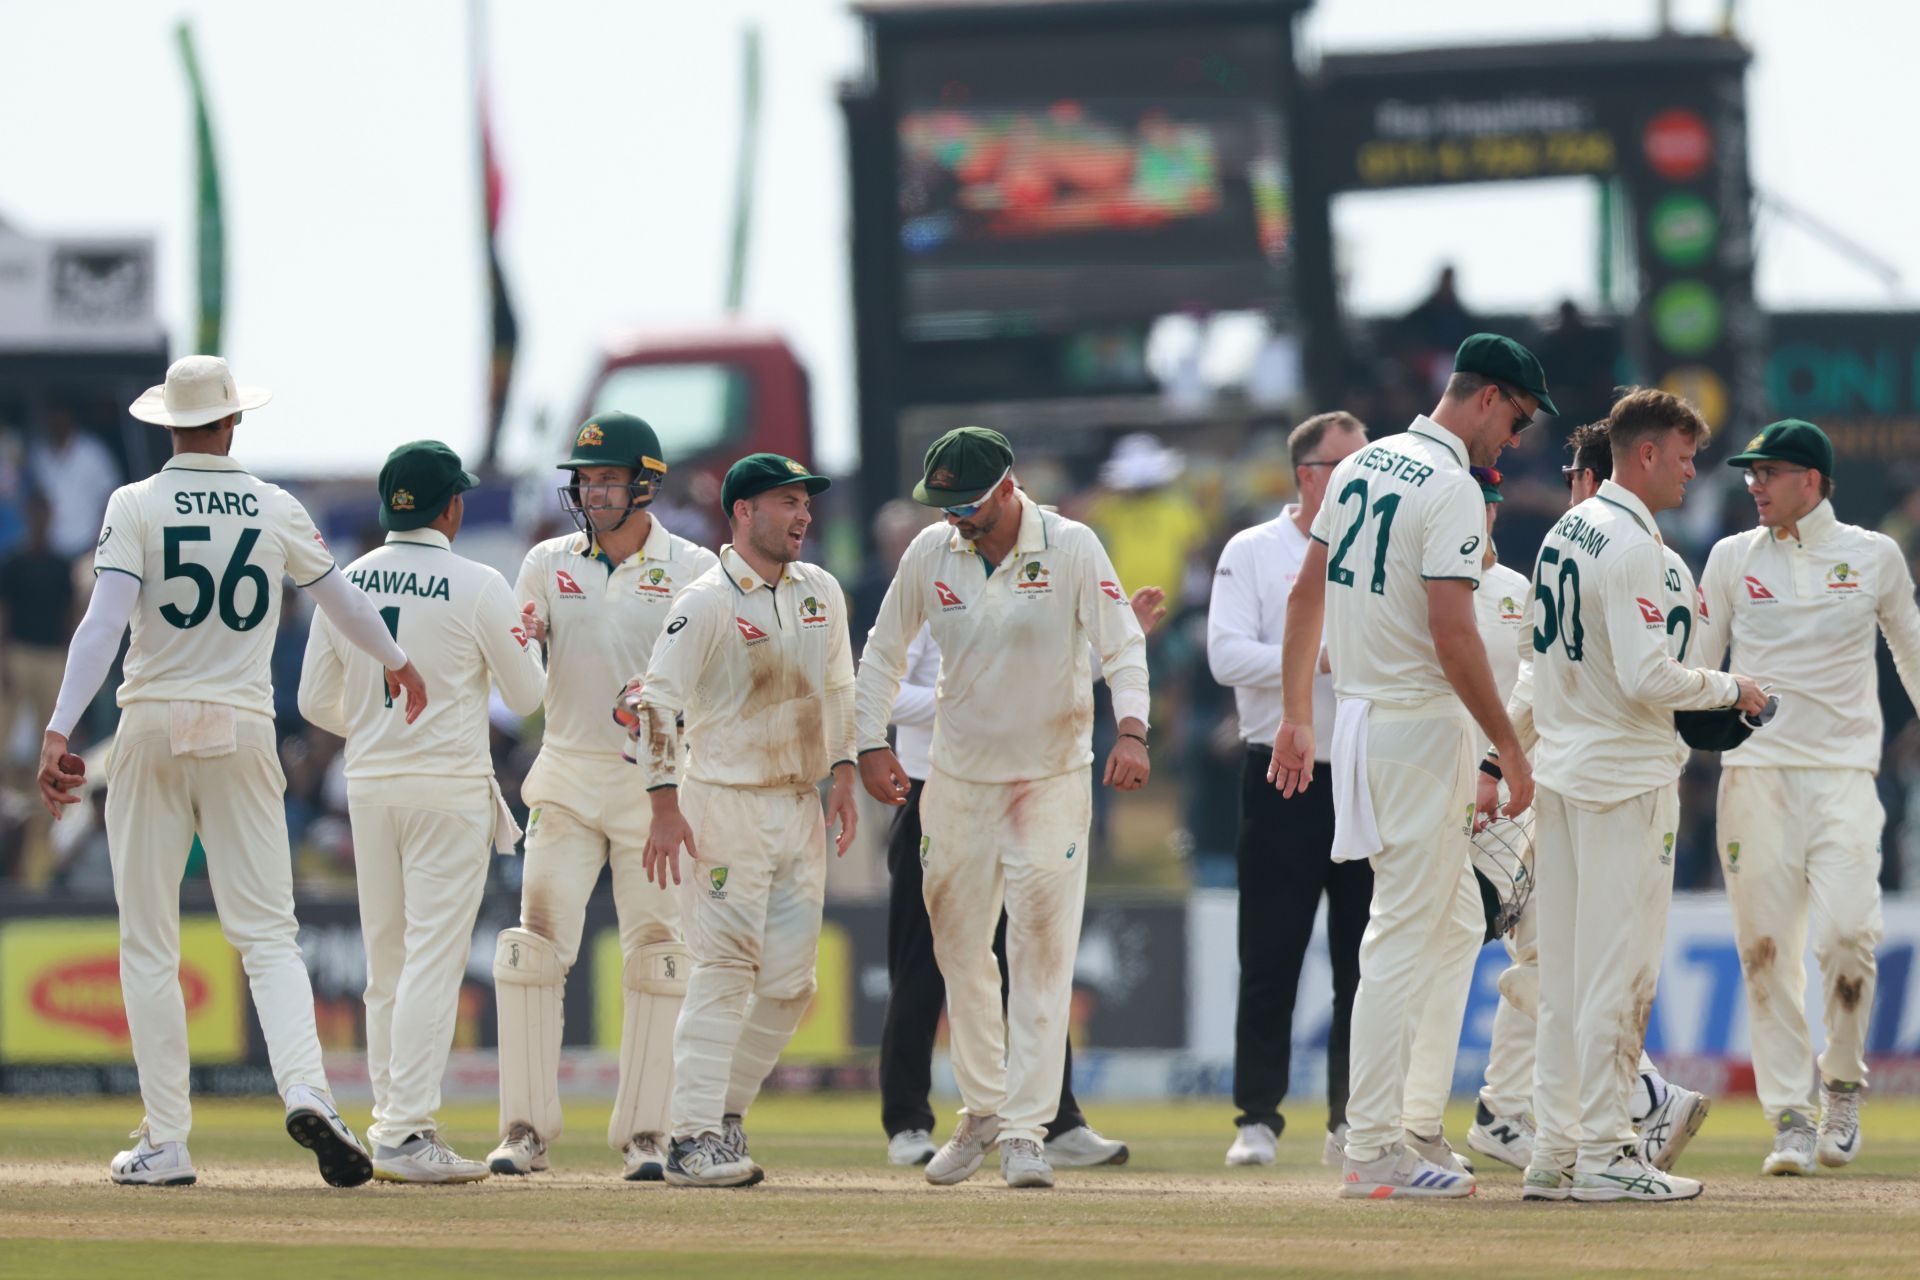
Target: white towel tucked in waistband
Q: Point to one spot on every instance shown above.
(506, 832)
(202, 730)
(1355, 835)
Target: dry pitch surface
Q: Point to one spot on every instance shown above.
(832, 1207)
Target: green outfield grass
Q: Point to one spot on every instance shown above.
(832, 1207)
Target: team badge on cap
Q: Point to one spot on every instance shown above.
(401, 500)
(590, 435)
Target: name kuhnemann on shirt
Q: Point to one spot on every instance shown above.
(1581, 534)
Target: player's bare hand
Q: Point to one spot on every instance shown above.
(1517, 773)
(532, 623)
(62, 774)
(1292, 768)
(842, 809)
(1149, 606)
(885, 779)
(664, 838)
(1486, 800)
(1127, 765)
(407, 678)
(1753, 699)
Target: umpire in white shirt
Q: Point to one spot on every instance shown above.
(1284, 843)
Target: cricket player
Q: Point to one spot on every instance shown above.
(1799, 600)
(1391, 574)
(193, 557)
(1605, 687)
(426, 814)
(758, 660)
(1665, 1115)
(1013, 595)
(596, 599)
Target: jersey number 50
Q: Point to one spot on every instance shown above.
(228, 591)
(1555, 621)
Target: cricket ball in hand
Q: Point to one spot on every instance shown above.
(73, 764)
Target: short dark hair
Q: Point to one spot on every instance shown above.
(1465, 386)
(1641, 413)
(1306, 437)
(1592, 449)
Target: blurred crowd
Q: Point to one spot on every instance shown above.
(1163, 511)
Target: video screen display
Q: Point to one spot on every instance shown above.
(1058, 182)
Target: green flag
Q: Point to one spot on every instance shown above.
(210, 241)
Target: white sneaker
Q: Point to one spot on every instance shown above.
(1508, 1139)
(1631, 1178)
(1401, 1173)
(1546, 1184)
(733, 1132)
(1082, 1148)
(1023, 1164)
(965, 1151)
(1333, 1153)
(1793, 1146)
(1839, 1124)
(521, 1152)
(424, 1158)
(314, 1122)
(1253, 1145)
(707, 1161)
(152, 1164)
(910, 1147)
(645, 1162)
(1665, 1133)
(1436, 1150)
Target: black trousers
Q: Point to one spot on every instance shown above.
(1284, 868)
(916, 993)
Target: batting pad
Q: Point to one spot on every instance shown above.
(527, 978)
(656, 982)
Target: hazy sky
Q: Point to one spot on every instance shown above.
(355, 274)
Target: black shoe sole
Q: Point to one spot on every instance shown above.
(185, 1180)
(651, 1171)
(341, 1163)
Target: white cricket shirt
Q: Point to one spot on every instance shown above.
(1605, 684)
(762, 671)
(1014, 701)
(462, 629)
(1500, 607)
(209, 544)
(602, 621)
(1247, 624)
(1400, 513)
(1800, 613)
(915, 706)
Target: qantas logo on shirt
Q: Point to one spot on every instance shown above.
(1113, 590)
(1700, 603)
(520, 634)
(1757, 590)
(1649, 612)
(748, 632)
(566, 585)
(948, 600)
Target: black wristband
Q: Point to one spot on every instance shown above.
(1139, 738)
(1492, 770)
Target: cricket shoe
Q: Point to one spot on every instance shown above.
(1333, 1152)
(645, 1162)
(424, 1158)
(1839, 1124)
(152, 1164)
(1793, 1146)
(910, 1147)
(1082, 1148)
(1024, 1164)
(1666, 1132)
(1401, 1174)
(314, 1122)
(733, 1132)
(707, 1161)
(1254, 1144)
(1629, 1177)
(1546, 1184)
(1436, 1150)
(965, 1151)
(1508, 1139)
(523, 1151)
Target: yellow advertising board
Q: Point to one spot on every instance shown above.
(825, 1034)
(60, 992)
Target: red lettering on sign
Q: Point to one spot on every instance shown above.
(86, 993)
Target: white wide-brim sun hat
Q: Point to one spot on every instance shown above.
(198, 390)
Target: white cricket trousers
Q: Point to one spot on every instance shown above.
(421, 846)
(1021, 845)
(155, 803)
(1420, 765)
(1604, 883)
(1800, 849)
(751, 905)
(1443, 1008)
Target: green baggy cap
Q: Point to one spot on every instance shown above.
(961, 466)
(1789, 440)
(417, 482)
(1504, 360)
(759, 472)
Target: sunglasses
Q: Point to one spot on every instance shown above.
(1525, 420)
(967, 509)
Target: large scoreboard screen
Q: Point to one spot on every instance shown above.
(1061, 180)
